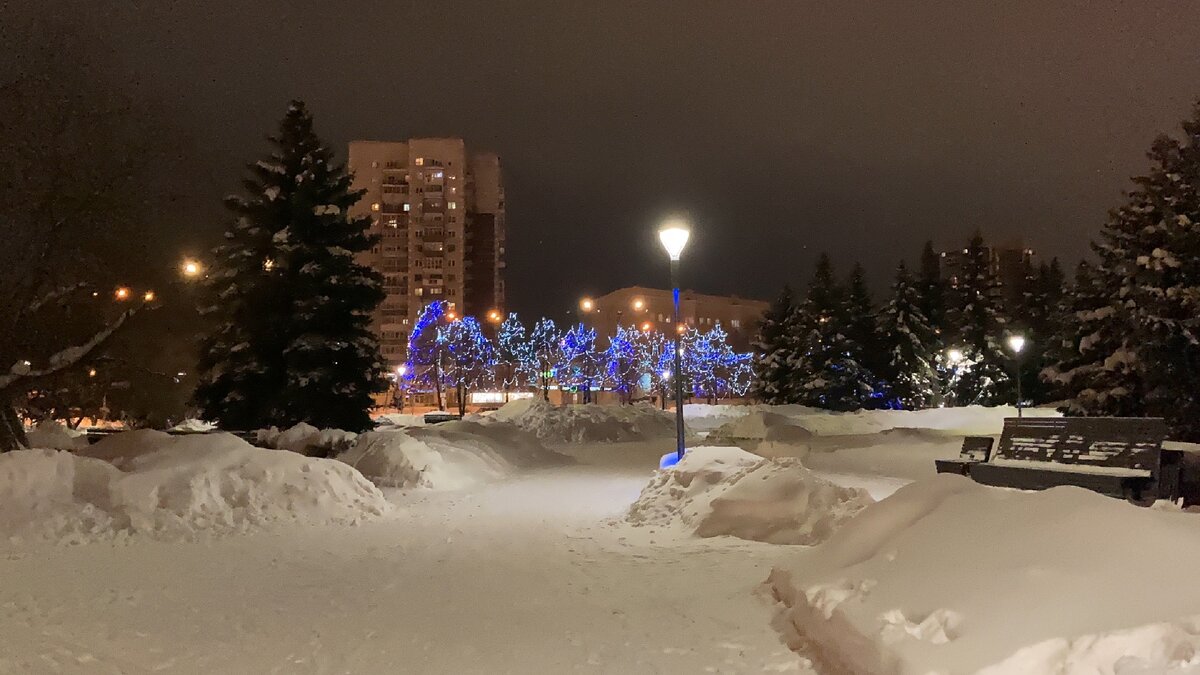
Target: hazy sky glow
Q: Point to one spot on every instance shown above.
(782, 128)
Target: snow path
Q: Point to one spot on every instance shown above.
(528, 575)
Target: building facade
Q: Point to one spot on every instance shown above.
(438, 211)
(1008, 263)
(653, 309)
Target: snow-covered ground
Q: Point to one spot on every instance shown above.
(530, 541)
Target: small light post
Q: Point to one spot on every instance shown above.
(401, 371)
(953, 357)
(674, 236)
(1017, 343)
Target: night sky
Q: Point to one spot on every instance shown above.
(782, 128)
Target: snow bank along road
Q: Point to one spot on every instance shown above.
(529, 575)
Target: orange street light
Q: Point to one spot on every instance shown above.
(122, 293)
(148, 296)
(639, 304)
(646, 326)
(190, 268)
(587, 305)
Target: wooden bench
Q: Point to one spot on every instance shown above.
(1117, 456)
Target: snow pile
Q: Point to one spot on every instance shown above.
(448, 456)
(718, 491)
(391, 420)
(952, 577)
(192, 425)
(55, 435)
(972, 420)
(305, 439)
(175, 486)
(585, 423)
(761, 425)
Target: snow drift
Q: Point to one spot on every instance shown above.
(585, 423)
(54, 435)
(949, 576)
(305, 439)
(175, 487)
(717, 491)
(448, 456)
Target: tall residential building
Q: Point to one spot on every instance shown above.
(1007, 261)
(439, 213)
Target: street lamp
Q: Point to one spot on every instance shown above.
(122, 293)
(1017, 343)
(674, 235)
(586, 304)
(190, 268)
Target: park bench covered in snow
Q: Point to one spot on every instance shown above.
(1117, 456)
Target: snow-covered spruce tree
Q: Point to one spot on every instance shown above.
(910, 345)
(1038, 316)
(931, 288)
(861, 329)
(826, 374)
(1080, 371)
(468, 357)
(978, 327)
(1150, 255)
(332, 355)
(774, 352)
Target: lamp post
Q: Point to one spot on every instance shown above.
(953, 357)
(674, 236)
(1017, 343)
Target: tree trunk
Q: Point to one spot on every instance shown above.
(12, 432)
(437, 381)
(462, 399)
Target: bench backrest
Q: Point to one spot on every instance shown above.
(976, 448)
(1127, 442)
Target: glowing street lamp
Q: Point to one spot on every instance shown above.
(122, 293)
(1017, 344)
(190, 268)
(954, 356)
(148, 296)
(639, 305)
(587, 305)
(674, 234)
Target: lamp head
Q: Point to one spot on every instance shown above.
(954, 356)
(674, 236)
(1016, 343)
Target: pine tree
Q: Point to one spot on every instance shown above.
(1039, 318)
(978, 328)
(932, 288)
(293, 342)
(826, 374)
(860, 326)
(774, 352)
(910, 345)
(1150, 261)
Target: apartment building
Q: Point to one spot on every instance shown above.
(439, 212)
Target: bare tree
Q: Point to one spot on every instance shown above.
(76, 173)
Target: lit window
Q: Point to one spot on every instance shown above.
(374, 165)
(420, 161)
(437, 174)
(736, 323)
(407, 207)
(375, 206)
(452, 205)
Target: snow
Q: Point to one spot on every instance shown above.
(305, 439)
(54, 435)
(585, 423)
(449, 456)
(952, 577)
(192, 425)
(152, 484)
(716, 491)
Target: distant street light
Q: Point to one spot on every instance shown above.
(954, 356)
(586, 304)
(674, 235)
(639, 305)
(1017, 343)
(148, 296)
(122, 293)
(191, 268)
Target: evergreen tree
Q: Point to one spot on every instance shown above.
(1150, 263)
(1039, 318)
(861, 329)
(826, 374)
(910, 345)
(295, 343)
(932, 288)
(977, 327)
(774, 352)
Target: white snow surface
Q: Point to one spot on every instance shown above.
(54, 435)
(194, 425)
(305, 439)
(948, 576)
(447, 456)
(152, 484)
(585, 423)
(716, 491)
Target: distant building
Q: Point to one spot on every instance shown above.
(653, 309)
(1006, 261)
(439, 212)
